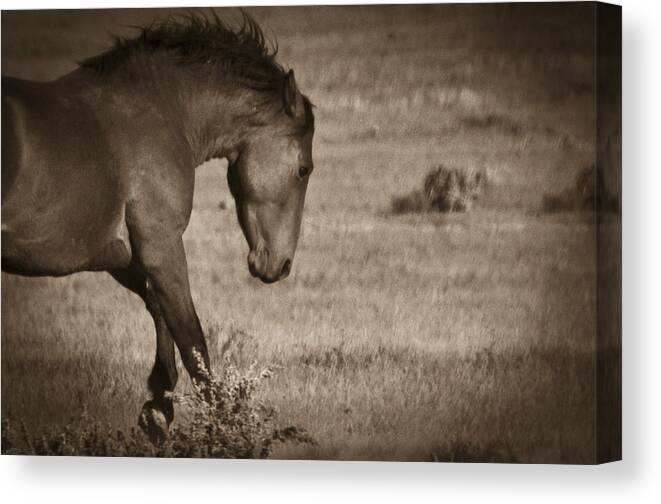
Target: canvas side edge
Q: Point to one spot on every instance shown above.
(608, 201)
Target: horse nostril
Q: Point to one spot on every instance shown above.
(286, 267)
(251, 263)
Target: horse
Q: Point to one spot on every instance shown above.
(98, 169)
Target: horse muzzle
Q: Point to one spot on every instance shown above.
(266, 267)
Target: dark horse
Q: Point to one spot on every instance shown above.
(98, 169)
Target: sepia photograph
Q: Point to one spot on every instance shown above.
(367, 232)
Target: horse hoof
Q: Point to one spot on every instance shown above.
(154, 422)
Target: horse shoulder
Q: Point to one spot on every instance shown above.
(162, 178)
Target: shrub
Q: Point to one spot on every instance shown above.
(226, 420)
(589, 192)
(413, 202)
(443, 190)
(220, 419)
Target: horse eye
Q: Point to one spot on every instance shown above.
(304, 171)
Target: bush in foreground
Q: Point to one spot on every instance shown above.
(220, 419)
(443, 190)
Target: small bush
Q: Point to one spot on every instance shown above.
(413, 202)
(589, 192)
(219, 419)
(443, 190)
(225, 420)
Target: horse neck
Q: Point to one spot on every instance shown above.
(211, 115)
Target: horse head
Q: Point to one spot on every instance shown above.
(268, 177)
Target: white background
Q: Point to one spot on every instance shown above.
(636, 479)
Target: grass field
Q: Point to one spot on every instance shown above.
(413, 337)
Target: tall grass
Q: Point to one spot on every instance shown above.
(220, 418)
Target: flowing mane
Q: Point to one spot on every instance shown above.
(241, 55)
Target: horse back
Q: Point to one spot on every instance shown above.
(62, 192)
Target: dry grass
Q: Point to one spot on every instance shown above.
(221, 418)
(411, 337)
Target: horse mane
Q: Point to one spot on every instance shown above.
(241, 54)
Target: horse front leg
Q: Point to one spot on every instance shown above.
(157, 414)
(164, 264)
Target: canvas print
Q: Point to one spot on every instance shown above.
(383, 232)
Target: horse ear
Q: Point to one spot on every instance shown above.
(291, 96)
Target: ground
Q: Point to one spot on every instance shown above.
(409, 337)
